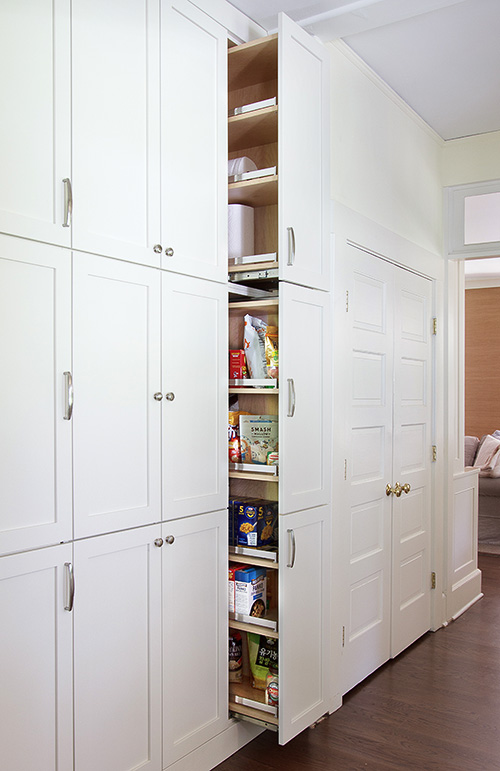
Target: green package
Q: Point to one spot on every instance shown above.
(262, 651)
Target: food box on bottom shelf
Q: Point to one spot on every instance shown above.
(250, 585)
(259, 438)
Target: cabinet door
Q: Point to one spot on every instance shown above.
(116, 128)
(36, 721)
(304, 620)
(304, 165)
(305, 398)
(194, 374)
(194, 141)
(117, 652)
(195, 687)
(35, 351)
(116, 417)
(35, 125)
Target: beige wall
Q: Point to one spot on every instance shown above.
(472, 159)
(482, 361)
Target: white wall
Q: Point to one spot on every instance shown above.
(386, 162)
(471, 159)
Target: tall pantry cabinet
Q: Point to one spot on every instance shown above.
(113, 403)
(283, 129)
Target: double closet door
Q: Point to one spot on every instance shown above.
(386, 492)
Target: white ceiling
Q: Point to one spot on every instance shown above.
(441, 56)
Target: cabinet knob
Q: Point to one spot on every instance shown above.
(169, 251)
(158, 396)
(158, 542)
(170, 396)
(157, 249)
(169, 539)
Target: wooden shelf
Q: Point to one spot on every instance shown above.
(270, 304)
(245, 626)
(249, 475)
(253, 62)
(255, 714)
(259, 127)
(253, 698)
(257, 561)
(254, 192)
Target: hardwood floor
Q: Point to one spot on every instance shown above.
(434, 708)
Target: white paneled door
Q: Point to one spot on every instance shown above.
(387, 387)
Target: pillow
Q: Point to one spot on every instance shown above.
(471, 443)
(485, 458)
(496, 434)
(493, 471)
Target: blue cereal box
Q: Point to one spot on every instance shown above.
(246, 523)
(250, 584)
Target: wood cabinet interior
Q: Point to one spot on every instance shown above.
(252, 77)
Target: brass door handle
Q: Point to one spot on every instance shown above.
(398, 489)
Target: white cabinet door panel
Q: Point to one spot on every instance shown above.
(117, 652)
(116, 128)
(304, 620)
(36, 721)
(305, 399)
(35, 125)
(194, 141)
(35, 351)
(304, 105)
(195, 681)
(194, 371)
(117, 372)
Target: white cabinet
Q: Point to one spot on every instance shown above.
(304, 157)
(35, 126)
(291, 137)
(117, 618)
(36, 710)
(305, 398)
(193, 142)
(116, 128)
(116, 374)
(194, 581)
(149, 134)
(35, 350)
(194, 408)
(304, 620)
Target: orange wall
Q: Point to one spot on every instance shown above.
(482, 361)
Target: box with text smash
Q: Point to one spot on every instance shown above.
(258, 438)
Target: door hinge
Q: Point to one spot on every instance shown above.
(434, 326)
(347, 301)
(433, 580)
(434, 453)
(345, 469)
(343, 636)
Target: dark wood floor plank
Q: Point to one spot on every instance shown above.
(434, 708)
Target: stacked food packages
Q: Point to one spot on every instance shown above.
(256, 655)
(253, 522)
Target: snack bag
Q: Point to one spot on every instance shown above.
(255, 348)
(271, 351)
(261, 652)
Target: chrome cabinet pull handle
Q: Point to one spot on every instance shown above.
(291, 397)
(291, 246)
(68, 202)
(69, 586)
(68, 396)
(293, 548)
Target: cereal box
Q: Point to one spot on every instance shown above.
(232, 570)
(258, 437)
(250, 585)
(245, 513)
